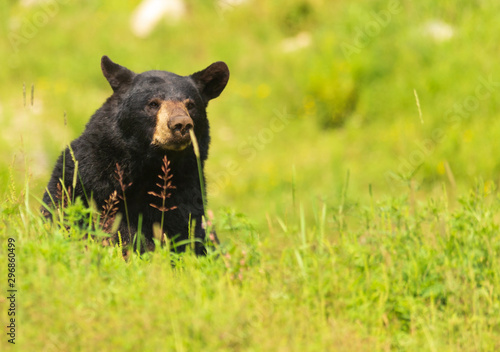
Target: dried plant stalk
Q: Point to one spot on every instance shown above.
(109, 210)
(165, 188)
(121, 180)
(63, 197)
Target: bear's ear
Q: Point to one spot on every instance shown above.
(116, 75)
(212, 80)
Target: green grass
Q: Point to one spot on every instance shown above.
(394, 275)
(346, 222)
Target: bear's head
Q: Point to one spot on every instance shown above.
(156, 109)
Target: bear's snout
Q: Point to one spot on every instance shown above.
(180, 124)
(172, 126)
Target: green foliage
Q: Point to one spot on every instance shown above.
(319, 89)
(398, 275)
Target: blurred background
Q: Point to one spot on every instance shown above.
(326, 100)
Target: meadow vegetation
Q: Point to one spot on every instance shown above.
(352, 176)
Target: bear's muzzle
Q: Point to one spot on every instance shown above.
(172, 126)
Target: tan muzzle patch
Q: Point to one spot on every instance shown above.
(172, 126)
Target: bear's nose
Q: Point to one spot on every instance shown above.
(180, 123)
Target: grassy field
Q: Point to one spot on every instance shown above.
(352, 174)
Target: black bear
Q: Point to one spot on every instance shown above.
(138, 146)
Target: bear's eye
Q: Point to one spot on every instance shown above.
(189, 105)
(153, 104)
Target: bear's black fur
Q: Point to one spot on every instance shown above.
(147, 117)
